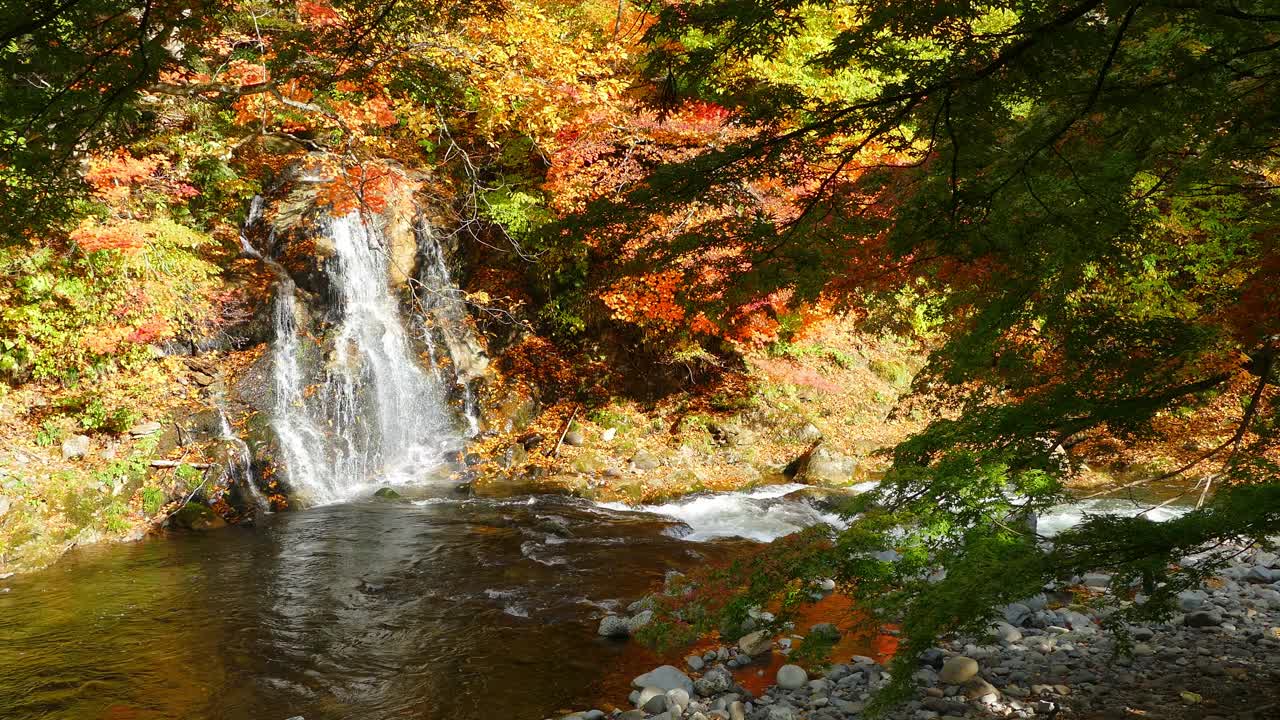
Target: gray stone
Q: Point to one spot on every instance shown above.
(737, 711)
(979, 689)
(666, 677)
(822, 466)
(614, 626)
(695, 662)
(958, 669)
(575, 438)
(713, 682)
(76, 446)
(1203, 618)
(652, 700)
(792, 677)
(1097, 581)
(1259, 575)
(755, 643)
(632, 715)
(1006, 632)
(677, 700)
(639, 621)
(1017, 614)
(1189, 600)
(781, 712)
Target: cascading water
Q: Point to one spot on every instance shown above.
(240, 464)
(374, 415)
(441, 303)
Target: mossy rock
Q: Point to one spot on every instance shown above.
(196, 516)
(386, 494)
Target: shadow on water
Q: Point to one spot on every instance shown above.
(442, 609)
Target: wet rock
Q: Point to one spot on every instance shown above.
(957, 670)
(531, 440)
(196, 516)
(386, 493)
(76, 446)
(665, 677)
(822, 466)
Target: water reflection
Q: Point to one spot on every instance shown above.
(451, 608)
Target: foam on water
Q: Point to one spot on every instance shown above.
(1070, 514)
(762, 514)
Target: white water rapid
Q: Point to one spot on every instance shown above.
(368, 413)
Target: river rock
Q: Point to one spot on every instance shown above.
(1189, 600)
(575, 438)
(76, 446)
(666, 677)
(824, 466)
(737, 711)
(695, 662)
(1261, 575)
(652, 700)
(1203, 618)
(677, 700)
(755, 643)
(792, 677)
(978, 689)
(386, 493)
(614, 626)
(957, 670)
(713, 682)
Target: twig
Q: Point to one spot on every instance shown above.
(555, 452)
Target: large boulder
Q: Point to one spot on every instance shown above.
(820, 465)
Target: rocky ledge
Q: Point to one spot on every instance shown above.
(1217, 659)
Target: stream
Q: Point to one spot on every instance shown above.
(441, 607)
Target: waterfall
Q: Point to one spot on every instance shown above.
(240, 464)
(372, 414)
(448, 341)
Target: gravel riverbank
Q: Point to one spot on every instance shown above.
(1218, 658)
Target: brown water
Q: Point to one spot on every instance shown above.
(453, 609)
